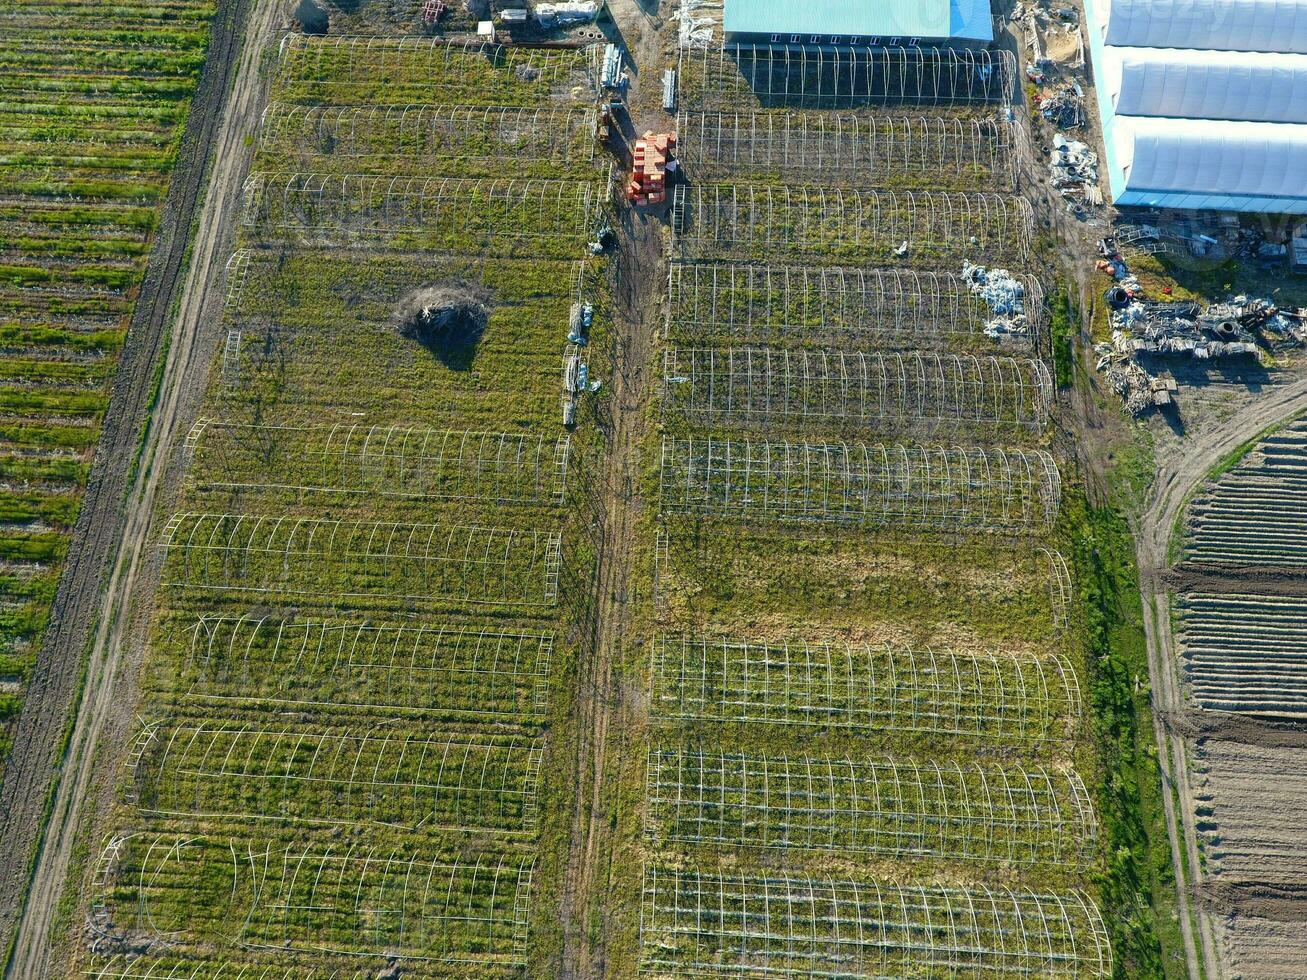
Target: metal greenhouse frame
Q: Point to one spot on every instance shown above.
(929, 487)
(1014, 815)
(835, 224)
(457, 671)
(348, 898)
(802, 76)
(131, 966)
(333, 558)
(444, 212)
(812, 304)
(1000, 696)
(707, 925)
(387, 776)
(420, 132)
(762, 385)
(392, 460)
(235, 273)
(343, 60)
(938, 151)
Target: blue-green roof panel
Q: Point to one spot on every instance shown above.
(963, 20)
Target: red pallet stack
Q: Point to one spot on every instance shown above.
(648, 183)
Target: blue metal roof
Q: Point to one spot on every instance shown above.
(964, 20)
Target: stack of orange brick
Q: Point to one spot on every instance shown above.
(649, 168)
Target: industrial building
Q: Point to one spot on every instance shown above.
(1203, 102)
(925, 22)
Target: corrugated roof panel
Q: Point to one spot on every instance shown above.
(926, 19)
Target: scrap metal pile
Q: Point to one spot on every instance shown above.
(1004, 295)
(1229, 329)
(1065, 108)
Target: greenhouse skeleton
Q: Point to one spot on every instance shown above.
(1009, 490)
(398, 460)
(1015, 815)
(894, 307)
(764, 385)
(992, 695)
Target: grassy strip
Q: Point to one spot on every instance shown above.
(1061, 329)
(1137, 883)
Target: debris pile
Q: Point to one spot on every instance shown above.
(1137, 389)
(1073, 163)
(1004, 295)
(696, 32)
(1142, 327)
(443, 317)
(1065, 108)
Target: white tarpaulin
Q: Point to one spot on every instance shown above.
(1184, 83)
(1224, 25)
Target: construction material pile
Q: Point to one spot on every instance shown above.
(650, 164)
(565, 13)
(1137, 389)
(1005, 296)
(1073, 169)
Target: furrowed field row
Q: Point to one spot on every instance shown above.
(91, 104)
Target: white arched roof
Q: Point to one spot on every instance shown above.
(1206, 84)
(1226, 25)
(1187, 156)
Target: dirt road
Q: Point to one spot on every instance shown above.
(602, 709)
(1178, 475)
(121, 501)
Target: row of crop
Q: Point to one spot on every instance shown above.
(92, 101)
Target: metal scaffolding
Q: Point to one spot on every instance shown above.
(798, 76)
(1013, 815)
(1001, 696)
(447, 213)
(930, 487)
(815, 305)
(834, 224)
(338, 559)
(706, 925)
(449, 671)
(350, 898)
(391, 775)
(761, 386)
(234, 275)
(931, 151)
(391, 460)
(132, 966)
(419, 134)
(312, 67)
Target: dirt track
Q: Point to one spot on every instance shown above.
(107, 558)
(1178, 475)
(602, 709)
